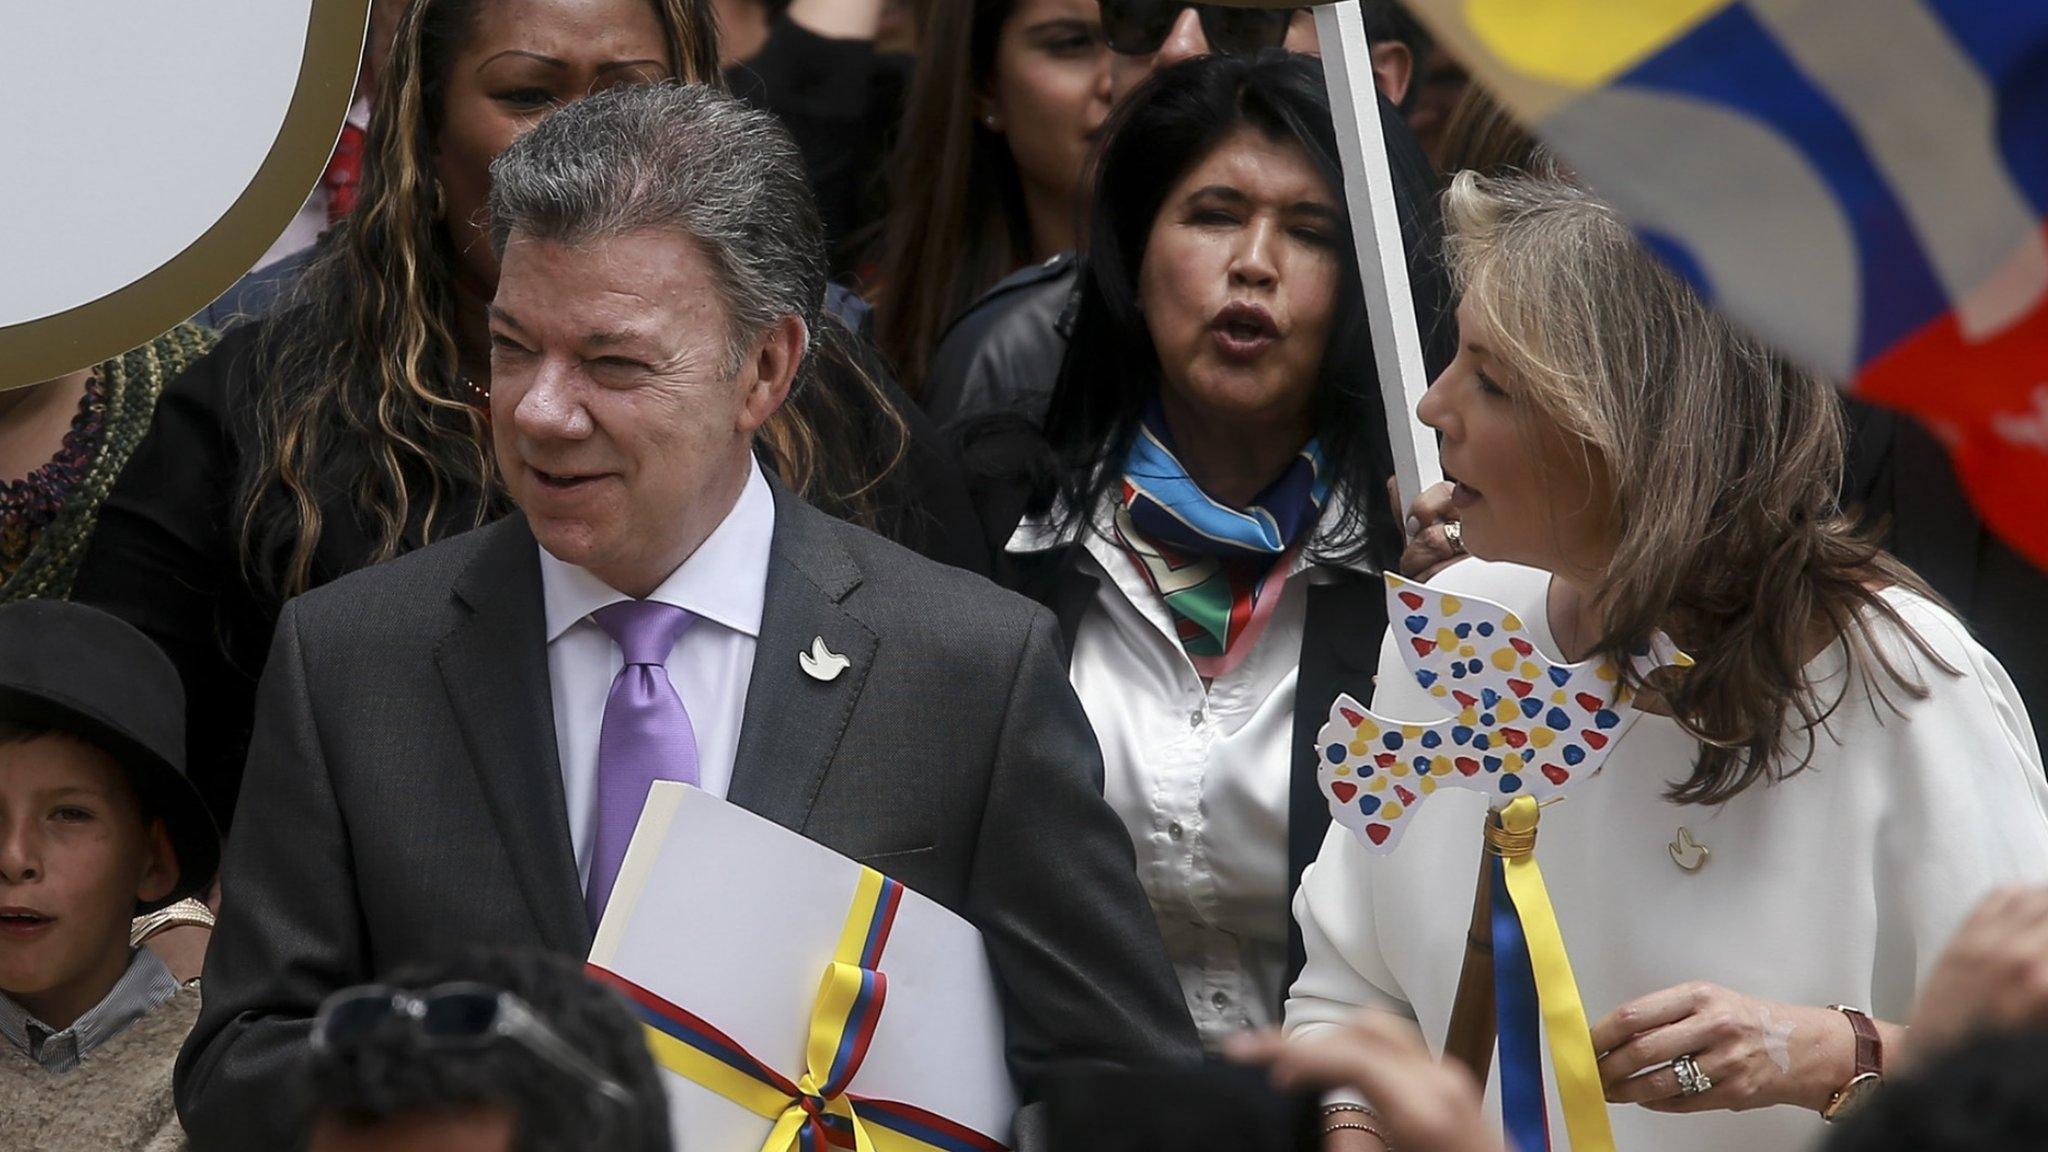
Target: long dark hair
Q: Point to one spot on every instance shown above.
(359, 386)
(956, 221)
(1111, 370)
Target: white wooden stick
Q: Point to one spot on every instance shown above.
(1376, 230)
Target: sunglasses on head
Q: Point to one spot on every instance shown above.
(455, 1016)
(1139, 27)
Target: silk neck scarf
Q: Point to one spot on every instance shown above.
(1218, 569)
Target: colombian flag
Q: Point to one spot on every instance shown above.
(1862, 182)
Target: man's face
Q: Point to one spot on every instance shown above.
(76, 856)
(456, 1130)
(620, 425)
(1185, 41)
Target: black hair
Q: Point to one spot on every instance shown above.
(391, 1075)
(1388, 20)
(1111, 371)
(1982, 1097)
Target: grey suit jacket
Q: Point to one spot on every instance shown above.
(403, 800)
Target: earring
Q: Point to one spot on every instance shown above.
(990, 122)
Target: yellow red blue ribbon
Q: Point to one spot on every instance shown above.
(815, 1112)
(1536, 940)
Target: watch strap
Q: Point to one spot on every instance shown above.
(1869, 1045)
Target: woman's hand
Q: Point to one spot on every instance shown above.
(1424, 1105)
(1430, 549)
(1755, 1052)
(1993, 975)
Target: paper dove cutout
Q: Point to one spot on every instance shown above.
(1515, 724)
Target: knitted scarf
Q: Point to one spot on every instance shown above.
(1218, 569)
(133, 382)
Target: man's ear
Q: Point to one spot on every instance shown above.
(773, 367)
(160, 876)
(1393, 67)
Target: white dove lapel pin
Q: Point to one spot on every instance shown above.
(822, 663)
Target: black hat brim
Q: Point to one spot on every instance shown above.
(163, 789)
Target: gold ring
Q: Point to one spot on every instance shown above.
(1455, 533)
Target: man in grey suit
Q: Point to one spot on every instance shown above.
(448, 745)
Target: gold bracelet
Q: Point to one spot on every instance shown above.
(187, 913)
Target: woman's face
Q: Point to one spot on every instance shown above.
(1527, 491)
(1239, 285)
(523, 60)
(1049, 93)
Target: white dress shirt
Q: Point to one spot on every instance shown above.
(1837, 885)
(1201, 778)
(723, 583)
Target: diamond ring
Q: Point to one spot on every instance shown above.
(1691, 1081)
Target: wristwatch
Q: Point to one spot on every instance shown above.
(1869, 1066)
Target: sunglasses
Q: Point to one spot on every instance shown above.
(456, 1016)
(1139, 27)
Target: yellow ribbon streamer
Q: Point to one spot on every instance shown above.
(1564, 1017)
(837, 992)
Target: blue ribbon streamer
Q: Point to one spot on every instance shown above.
(1525, 1114)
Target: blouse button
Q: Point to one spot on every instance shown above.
(1220, 1000)
(1195, 718)
(1175, 831)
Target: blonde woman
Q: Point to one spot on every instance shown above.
(1806, 815)
(350, 427)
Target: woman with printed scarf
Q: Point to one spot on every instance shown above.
(1205, 508)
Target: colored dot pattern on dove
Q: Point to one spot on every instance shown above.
(1514, 723)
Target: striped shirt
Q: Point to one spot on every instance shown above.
(145, 985)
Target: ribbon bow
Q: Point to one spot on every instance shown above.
(815, 1113)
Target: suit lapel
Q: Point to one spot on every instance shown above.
(495, 670)
(1340, 646)
(794, 719)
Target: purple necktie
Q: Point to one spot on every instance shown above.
(647, 735)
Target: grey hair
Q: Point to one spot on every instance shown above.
(681, 156)
(1722, 466)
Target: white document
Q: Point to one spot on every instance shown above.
(735, 919)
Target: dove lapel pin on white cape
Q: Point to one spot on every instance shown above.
(1687, 852)
(821, 663)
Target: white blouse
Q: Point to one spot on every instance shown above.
(1201, 779)
(1838, 885)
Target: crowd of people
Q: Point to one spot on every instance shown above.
(1012, 355)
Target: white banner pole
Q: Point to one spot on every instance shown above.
(1376, 231)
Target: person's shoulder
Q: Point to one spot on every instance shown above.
(1008, 301)
(1919, 625)
(1005, 350)
(902, 590)
(257, 293)
(393, 598)
(1514, 586)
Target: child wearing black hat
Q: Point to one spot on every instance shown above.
(97, 823)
